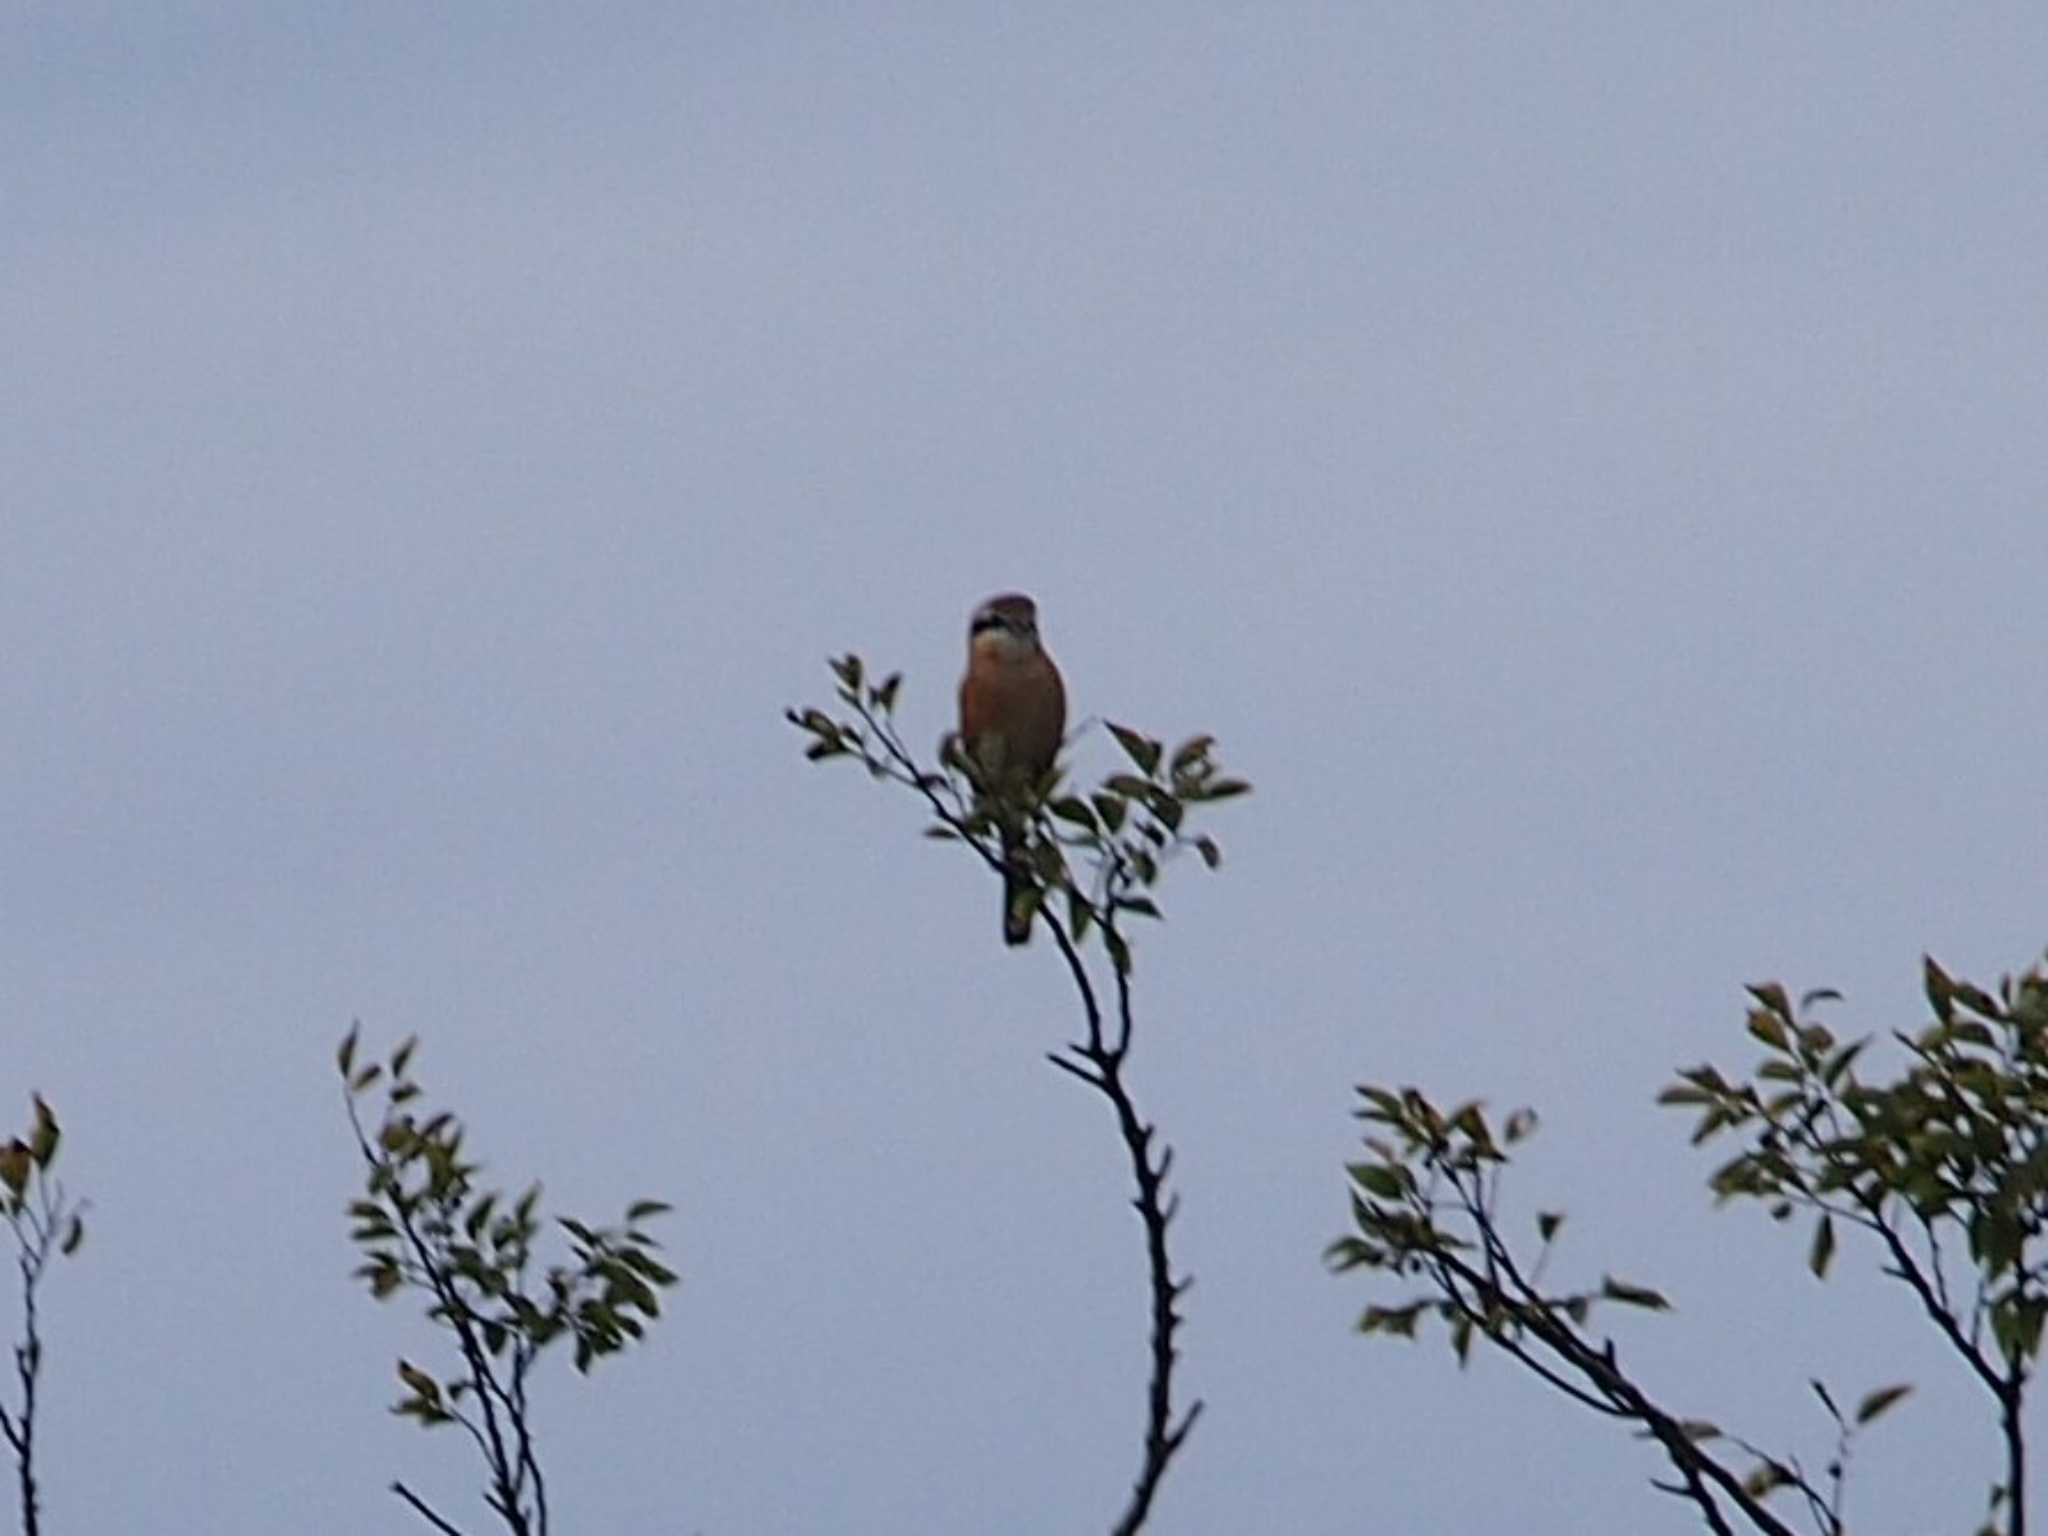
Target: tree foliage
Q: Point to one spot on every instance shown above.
(425, 1225)
(1941, 1168)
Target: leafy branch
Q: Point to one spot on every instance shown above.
(1090, 863)
(1426, 1203)
(1945, 1168)
(46, 1223)
(423, 1224)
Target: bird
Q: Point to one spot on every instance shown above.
(1013, 712)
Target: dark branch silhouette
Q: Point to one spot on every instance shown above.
(1099, 1063)
(1126, 829)
(45, 1224)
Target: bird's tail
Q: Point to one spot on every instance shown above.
(1017, 888)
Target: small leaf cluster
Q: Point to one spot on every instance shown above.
(873, 701)
(423, 1222)
(1127, 828)
(1957, 1143)
(33, 1204)
(1122, 833)
(1424, 1202)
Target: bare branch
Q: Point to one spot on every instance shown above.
(424, 1511)
(1164, 1434)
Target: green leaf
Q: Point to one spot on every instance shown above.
(1461, 1339)
(419, 1381)
(883, 694)
(1379, 1179)
(1768, 1027)
(345, 1056)
(1226, 789)
(1211, 854)
(42, 1141)
(1767, 1477)
(1684, 1093)
(1189, 751)
(640, 1210)
(1880, 1400)
(1940, 990)
(1074, 809)
(1399, 1321)
(1839, 1063)
(15, 1164)
(1772, 996)
(403, 1055)
(1349, 1253)
(1141, 750)
(74, 1235)
(1112, 808)
(1823, 1250)
(1547, 1223)
(652, 1268)
(1633, 1295)
(1995, 1239)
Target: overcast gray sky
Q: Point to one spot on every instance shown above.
(1587, 464)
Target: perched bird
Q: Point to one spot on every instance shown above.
(1013, 710)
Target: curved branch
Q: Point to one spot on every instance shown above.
(1097, 1061)
(425, 1511)
(1100, 1065)
(1602, 1371)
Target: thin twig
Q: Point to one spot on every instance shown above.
(1599, 1368)
(425, 1512)
(34, 1235)
(1163, 1434)
(1906, 1268)
(2009, 1403)
(28, 1365)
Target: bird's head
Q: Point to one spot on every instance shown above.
(1004, 626)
